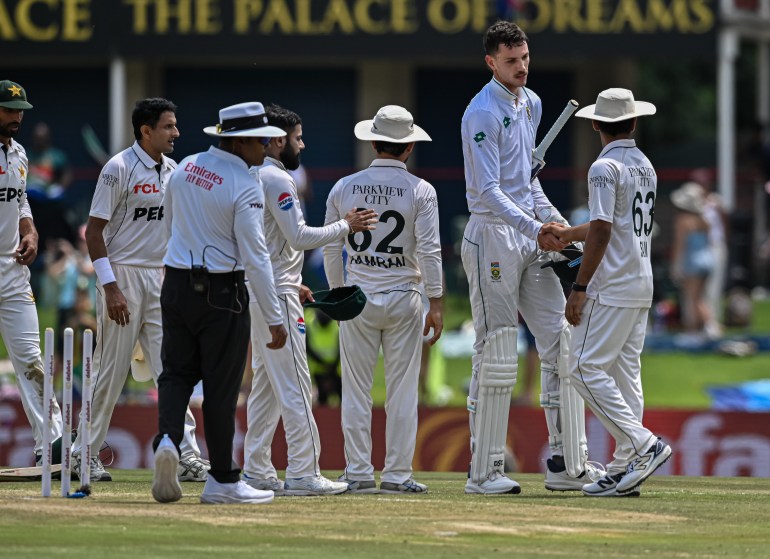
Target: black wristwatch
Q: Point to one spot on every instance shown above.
(578, 287)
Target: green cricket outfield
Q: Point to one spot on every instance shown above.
(674, 517)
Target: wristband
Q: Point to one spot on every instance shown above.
(578, 287)
(104, 270)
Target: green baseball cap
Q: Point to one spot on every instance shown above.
(340, 303)
(13, 96)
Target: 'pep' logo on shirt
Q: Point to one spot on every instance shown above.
(285, 201)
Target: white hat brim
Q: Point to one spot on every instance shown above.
(643, 108)
(261, 132)
(363, 131)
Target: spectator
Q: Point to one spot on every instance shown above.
(49, 168)
(692, 259)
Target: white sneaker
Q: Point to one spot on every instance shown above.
(557, 478)
(495, 484)
(309, 486)
(608, 487)
(408, 486)
(265, 484)
(193, 468)
(215, 493)
(165, 485)
(361, 487)
(98, 473)
(644, 466)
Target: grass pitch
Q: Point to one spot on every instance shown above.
(674, 517)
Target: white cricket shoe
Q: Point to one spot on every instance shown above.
(165, 485)
(644, 466)
(495, 484)
(608, 487)
(557, 478)
(361, 487)
(215, 493)
(98, 473)
(310, 486)
(193, 468)
(265, 484)
(408, 486)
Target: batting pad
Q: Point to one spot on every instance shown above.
(572, 413)
(497, 377)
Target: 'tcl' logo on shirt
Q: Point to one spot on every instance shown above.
(146, 188)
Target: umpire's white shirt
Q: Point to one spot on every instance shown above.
(406, 239)
(215, 213)
(286, 233)
(129, 195)
(621, 190)
(13, 197)
(498, 134)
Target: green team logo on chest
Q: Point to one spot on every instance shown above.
(506, 122)
(479, 137)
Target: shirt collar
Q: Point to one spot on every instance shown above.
(629, 143)
(145, 158)
(502, 92)
(275, 162)
(227, 156)
(13, 145)
(388, 163)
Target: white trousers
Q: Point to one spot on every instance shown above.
(21, 333)
(605, 364)
(281, 388)
(393, 321)
(505, 278)
(115, 346)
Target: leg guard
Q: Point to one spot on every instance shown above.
(566, 427)
(489, 411)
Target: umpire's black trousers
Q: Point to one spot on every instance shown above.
(205, 336)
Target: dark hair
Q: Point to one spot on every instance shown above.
(503, 33)
(148, 111)
(390, 148)
(616, 128)
(282, 118)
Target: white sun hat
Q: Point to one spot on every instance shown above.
(690, 197)
(615, 104)
(391, 124)
(244, 120)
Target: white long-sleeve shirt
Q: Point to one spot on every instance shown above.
(405, 247)
(286, 233)
(498, 135)
(214, 209)
(13, 197)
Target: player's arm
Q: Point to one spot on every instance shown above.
(28, 241)
(569, 234)
(426, 232)
(544, 209)
(114, 300)
(603, 178)
(249, 233)
(333, 267)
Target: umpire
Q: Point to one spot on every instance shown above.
(214, 208)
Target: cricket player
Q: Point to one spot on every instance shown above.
(388, 265)
(127, 239)
(281, 386)
(18, 248)
(612, 295)
(501, 254)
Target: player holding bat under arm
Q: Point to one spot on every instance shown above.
(501, 253)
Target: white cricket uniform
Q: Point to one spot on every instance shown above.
(499, 249)
(281, 386)
(607, 344)
(387, 264)
(18, 316)
(129, 195)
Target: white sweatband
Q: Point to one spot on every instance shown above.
(104, 270)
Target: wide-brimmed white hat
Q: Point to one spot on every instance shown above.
(391, 124)
(245, 120)
(690, 197)
(616, 104)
